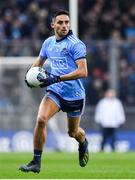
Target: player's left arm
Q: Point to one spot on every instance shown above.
(80, 72)
(78, 51)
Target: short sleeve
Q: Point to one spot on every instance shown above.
(79, 51)
(43, 51)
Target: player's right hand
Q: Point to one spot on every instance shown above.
(30, 86)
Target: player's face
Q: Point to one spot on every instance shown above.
(61, 26)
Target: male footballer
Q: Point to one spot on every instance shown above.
(65, 91)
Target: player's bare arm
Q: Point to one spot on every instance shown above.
(38, 62)
(80, 72)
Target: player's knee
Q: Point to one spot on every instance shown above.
(72, 133)
(42, 121)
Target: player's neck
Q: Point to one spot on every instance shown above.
(59, 38)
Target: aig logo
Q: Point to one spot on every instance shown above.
(59, 63)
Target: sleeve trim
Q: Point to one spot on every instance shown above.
(43, 58)
(83, 57)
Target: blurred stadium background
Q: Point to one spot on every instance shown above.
(107, 28)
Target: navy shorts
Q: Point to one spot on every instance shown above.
(73, 108)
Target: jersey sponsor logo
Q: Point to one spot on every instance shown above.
(59, 63)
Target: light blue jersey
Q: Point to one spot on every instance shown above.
(62, 55)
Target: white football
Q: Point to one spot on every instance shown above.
(34, 74)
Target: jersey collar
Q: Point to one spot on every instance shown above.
(69, 33)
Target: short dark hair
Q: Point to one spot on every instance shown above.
(61, 12)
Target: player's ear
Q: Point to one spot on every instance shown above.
(52, 23)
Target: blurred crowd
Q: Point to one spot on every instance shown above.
(25, 24)
(100, 18)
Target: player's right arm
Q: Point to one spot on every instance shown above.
(38, 62)
(42, 56)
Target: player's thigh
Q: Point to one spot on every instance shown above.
(73, 123)
(47, 109)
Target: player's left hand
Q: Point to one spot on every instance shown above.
(49, 80)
